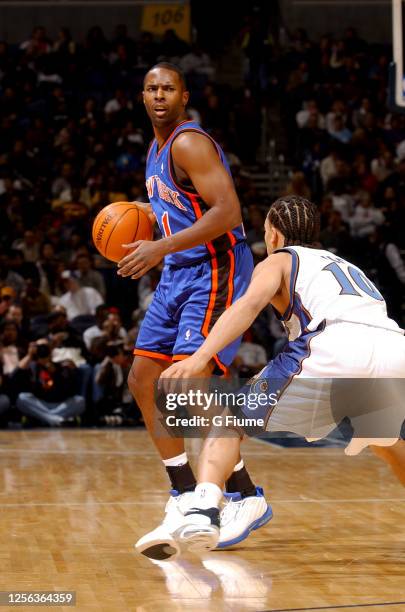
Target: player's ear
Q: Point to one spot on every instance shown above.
(280, 240)
(275, 237)
(186, 97)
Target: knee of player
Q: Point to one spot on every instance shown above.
(139, 383)
(134, 382)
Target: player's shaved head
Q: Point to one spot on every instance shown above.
(171, 68)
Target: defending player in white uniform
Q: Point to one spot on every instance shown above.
(341, 345)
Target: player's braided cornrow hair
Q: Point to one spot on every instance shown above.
(297, 219)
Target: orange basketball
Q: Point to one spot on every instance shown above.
(117, 224)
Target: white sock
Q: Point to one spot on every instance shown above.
(176, 461)
(239, 466)
(207, 495)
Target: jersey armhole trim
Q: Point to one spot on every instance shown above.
(171, 135)
(152, 142)
(295, 264)
(171, 169)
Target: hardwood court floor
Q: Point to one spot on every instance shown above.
(73, 502)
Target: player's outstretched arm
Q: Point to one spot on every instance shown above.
(266, 282)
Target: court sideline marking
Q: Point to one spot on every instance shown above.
(369, 605)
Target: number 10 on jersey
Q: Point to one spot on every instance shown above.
(357, 279)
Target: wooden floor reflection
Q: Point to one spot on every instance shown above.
(73, 502)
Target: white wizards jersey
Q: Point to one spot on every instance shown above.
(326, 288)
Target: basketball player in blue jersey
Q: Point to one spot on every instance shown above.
(338, 331)
(207, 266)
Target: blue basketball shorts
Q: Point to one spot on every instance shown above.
(187, 303)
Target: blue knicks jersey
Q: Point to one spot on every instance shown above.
(177, 208)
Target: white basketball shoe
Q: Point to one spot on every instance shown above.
(241, 515)
(160, 544)
(185, 528)
(203, 530)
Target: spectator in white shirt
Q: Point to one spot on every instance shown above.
(329, 167)
(343, 203)
(88, 276)
(119, 103)
(401, 150)
(38, 44)
(29, 246)
(197, 62)
(338, 108)
(366, 217)
(359, 114)
(310, 108)
(63, 182)
(95, 331)
(78, 300)
(383, 166)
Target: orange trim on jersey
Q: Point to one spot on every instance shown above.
(231, 278)
(221, 365)
(212, 299)
(152, 355)
(198, 213)
(214, 274)
(195, 205)
(217, 360)
(232, 239)
(168, 139)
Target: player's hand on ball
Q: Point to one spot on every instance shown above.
(146, 255)
(147, 209)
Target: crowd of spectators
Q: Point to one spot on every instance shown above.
(348, 152)
(73, 137)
